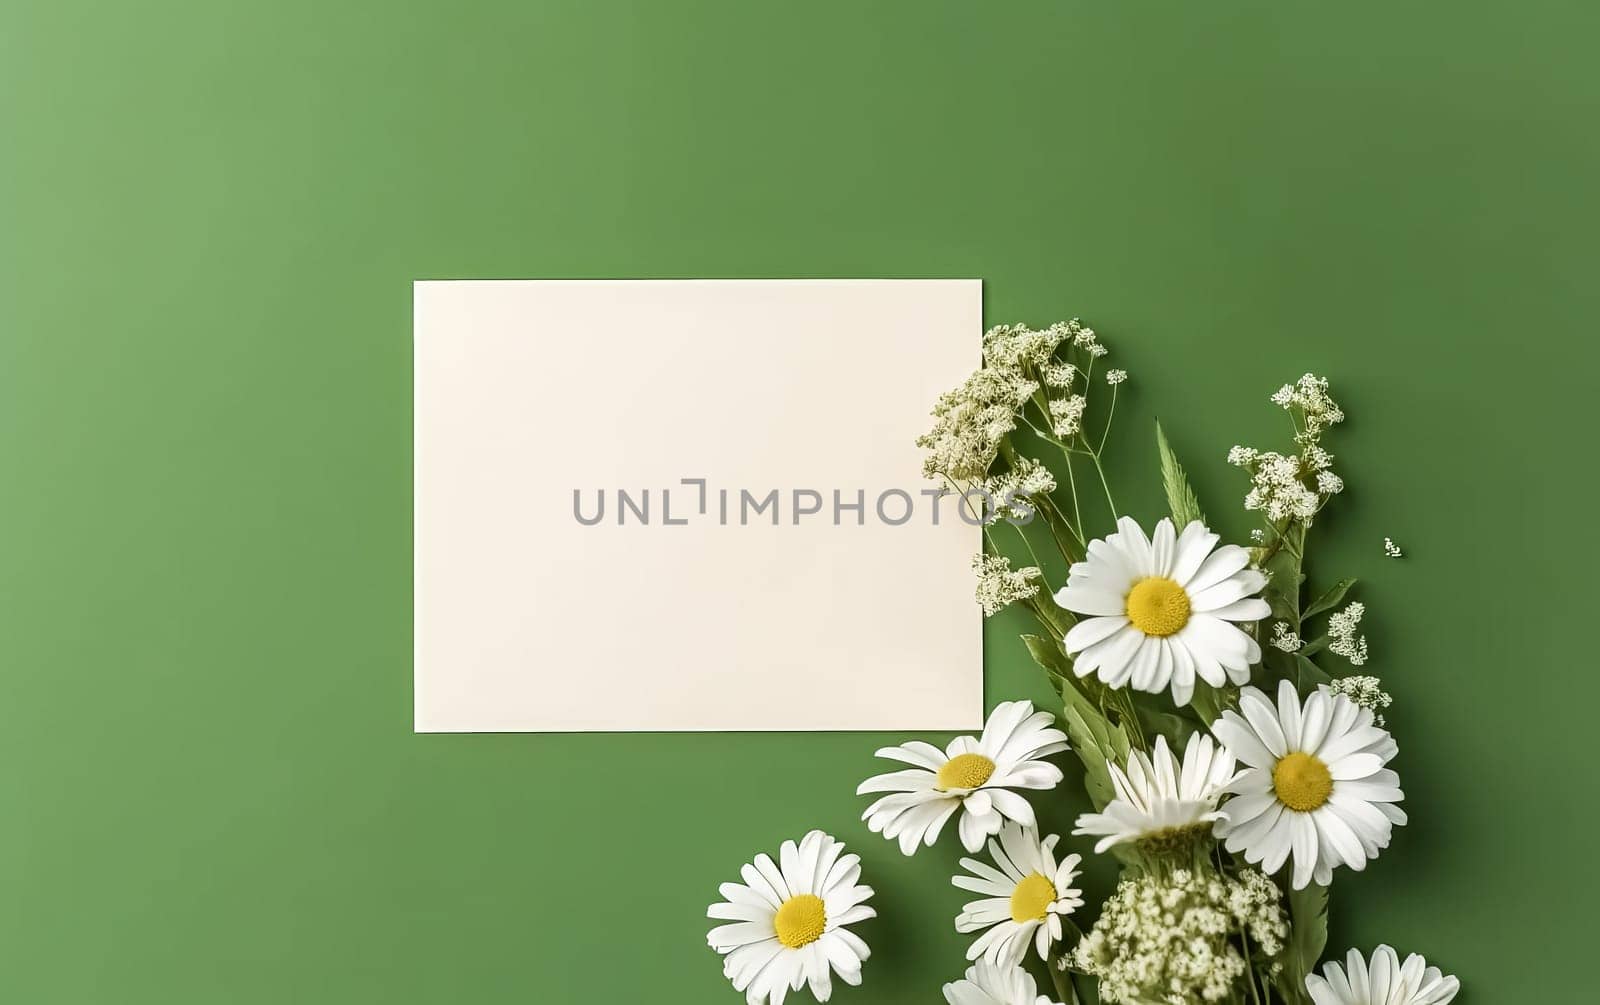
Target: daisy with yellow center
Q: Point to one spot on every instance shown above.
(1161, 611)
(973, 776)
(787, 921)
(1025, 895)
(1314, 786)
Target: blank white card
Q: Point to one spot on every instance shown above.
(690, 505)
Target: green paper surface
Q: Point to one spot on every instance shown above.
(212, 215)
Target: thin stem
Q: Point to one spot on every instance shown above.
(1107, 486)
(1111, 413)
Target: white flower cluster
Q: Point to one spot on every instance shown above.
(1115, 377)
(1166, 939)
(1367, 692)
(1276, 485)
(1391, 549)
(1294, 485)
(1007, 493)
(1342, 626)
(1000, 585)
(970, 422)
(1066, 415)
(1285, 639)
(1310, 396)
(1018, 362)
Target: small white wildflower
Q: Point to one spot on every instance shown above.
(1241, 457)
(1258, 535)
(1066, 415)
(1170, 938)
(1006, 494)
(1285, 639)
(1097, 350)
(1115, 377)
(1310, 395)
(1318, 459)
(1342, 627)
(1329, 483)
(1390, 548)
(1276, 487)
(1000, 585)
(1059, 374)
(1367, 692)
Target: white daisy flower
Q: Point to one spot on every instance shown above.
(788, 921)
(1024, 899)
(1162, 610)
(1385, 982)
(1161, 803)
(975, 776)
(1314, 786)
(987, 984)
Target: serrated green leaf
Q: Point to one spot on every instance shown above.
(1329, 599)
(1180, 497)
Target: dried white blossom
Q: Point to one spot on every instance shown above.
(1115, 377)
(1277, 489)
(1310, 395)
(1007, 493)
(1066, 415)
(1342, 627)
(1059, 374)
(1284, 638)
(1170, 938)
(1390, 548)
(1367, 692)
(1000, 585)
(970, 422)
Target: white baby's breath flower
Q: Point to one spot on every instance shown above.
(1097, 350)
(787, 921)
(1066, 415)
(999, 585)
(1167, 938)
(1391, 549)
(1310, 395)
(1342, 627)
(1285, 639)
(1059, 374)
(974, 776)
(1367, 692)
(1115, 377)
(1258, 535)
(1329, 483)
(1025, 895)
(1241, 457)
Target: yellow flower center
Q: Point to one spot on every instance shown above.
(965, 771)
(1302, 782)
(1032, 898)
(1158, 606)
(801, 920)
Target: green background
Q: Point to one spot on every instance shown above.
(209, 788)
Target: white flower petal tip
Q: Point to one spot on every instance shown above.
(1382, 981)
(975, 779)
(989, 984)
(1162, 611)
(1163, 803)
(1023, 896)
(1314, 791)
(787, 923)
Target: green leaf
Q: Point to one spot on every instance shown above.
(1329, 600)
(1091, 734)
(1059, 617)
(1180, 497)
(1308, 675)
(1308, 917)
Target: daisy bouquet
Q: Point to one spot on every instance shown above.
(1210, 705)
